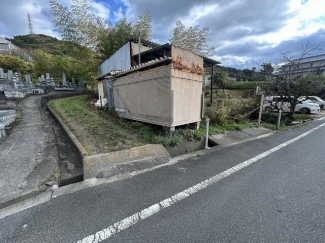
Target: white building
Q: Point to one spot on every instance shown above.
(7, 48)
(305, 65)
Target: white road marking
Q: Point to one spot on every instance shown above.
(147, 212)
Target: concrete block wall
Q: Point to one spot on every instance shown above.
(2, 131)
(7, 117)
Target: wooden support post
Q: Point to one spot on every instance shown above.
(261, 109)
(211, 87)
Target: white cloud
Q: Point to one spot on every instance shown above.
(101, 9)
(118, 14)
(197, 12)
(300, 24)
(13, 18)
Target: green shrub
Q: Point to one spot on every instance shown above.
(271, 118)
(216, 113)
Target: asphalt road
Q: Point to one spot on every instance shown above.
(279, 197)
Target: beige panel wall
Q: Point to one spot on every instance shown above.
(187, 80)
(186, 60)
(145, 96)
(187, 90)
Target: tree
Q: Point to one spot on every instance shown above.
(220, 78)
(291, 84)
(193, 39)
(43, 63)
(143, 25)
(114, 37)
(79, 25)
(267, 70)
(16, 64)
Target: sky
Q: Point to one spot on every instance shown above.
(245, 33)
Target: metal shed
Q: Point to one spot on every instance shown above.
(166, 91)
(122, 59)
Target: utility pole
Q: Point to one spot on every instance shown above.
(139, 47)
(30, 25)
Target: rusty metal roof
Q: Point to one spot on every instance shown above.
(209, 61)
(157, 52)
(143, 42)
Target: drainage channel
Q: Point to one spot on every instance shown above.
(70, 169)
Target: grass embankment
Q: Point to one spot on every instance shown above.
(101, 132)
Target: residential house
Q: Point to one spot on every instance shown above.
(8, 48)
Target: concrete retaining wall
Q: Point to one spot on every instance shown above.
(7, 117)
(125, 161)
(71, 138)
(2, 131)
(185, 147)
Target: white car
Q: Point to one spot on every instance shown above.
(307, 107)
(313, 99)
(304, 107)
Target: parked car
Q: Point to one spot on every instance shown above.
(273, 103)
(313, 99)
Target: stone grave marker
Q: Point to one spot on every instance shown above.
(64, 80)
(9, 74)
(2, 75)
(81, 83)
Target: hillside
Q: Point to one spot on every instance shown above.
(48, 44)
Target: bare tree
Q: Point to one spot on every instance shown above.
(290, 83)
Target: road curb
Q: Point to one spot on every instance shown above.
(81, 150)
(28, 203)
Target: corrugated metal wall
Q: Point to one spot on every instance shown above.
(120, 60)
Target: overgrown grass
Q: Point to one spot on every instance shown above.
(101, 132)
(248, 84)
(18, 115)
